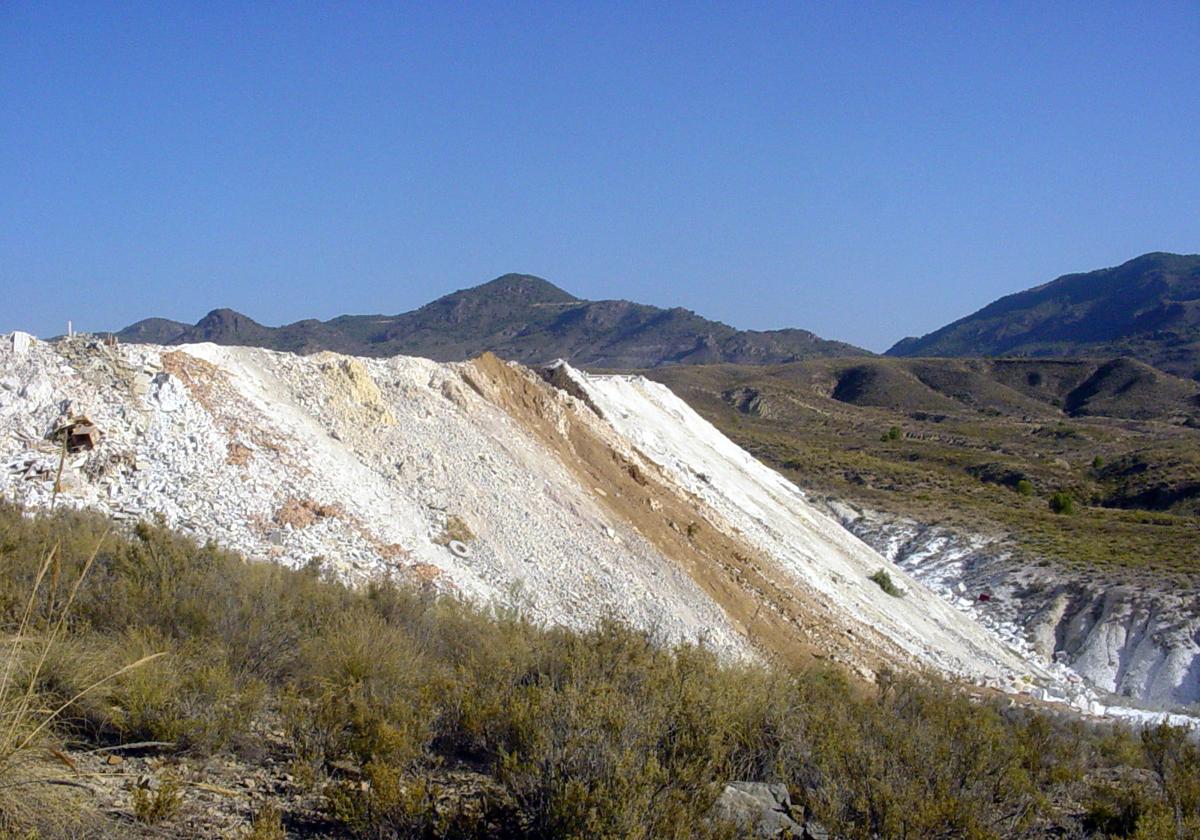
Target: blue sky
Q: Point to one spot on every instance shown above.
(867, 171)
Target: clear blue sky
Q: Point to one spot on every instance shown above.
(867, 171)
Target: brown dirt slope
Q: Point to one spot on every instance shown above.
(776, 614)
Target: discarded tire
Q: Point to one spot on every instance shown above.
(458, 549)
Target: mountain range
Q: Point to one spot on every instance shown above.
(516, 316)
(1147, 308)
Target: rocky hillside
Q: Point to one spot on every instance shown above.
(1118, 435)
(515, 316)
(1147, 308)
(565, 495)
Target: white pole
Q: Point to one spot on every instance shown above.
(70, 330)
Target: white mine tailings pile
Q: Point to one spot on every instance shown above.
(570, 499)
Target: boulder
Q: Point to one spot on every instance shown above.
(759, 808)
(21, 342)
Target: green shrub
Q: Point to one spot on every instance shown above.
(884, 581)
(387, 803)
(1025, 487)
(189, 698)
(71, 665)
(1175, 761)
(617, 737)
(371, 694)
(1062, 503)
(919, 762)
(1115, 810)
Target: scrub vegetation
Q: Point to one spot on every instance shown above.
(386, 711)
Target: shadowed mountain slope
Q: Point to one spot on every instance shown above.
(1147, 308)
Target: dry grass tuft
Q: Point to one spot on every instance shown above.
(160, 804)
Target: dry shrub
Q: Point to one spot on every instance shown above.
(267, 824)
(238, 454)
(1174, 758)
(388, 803)
(606, 733)
(367, 693)
(456, 528)
(300, 513)
(160, 804)
(189, 698)
(30, 718)
(393, 551)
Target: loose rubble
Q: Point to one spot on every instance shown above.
(357, 464)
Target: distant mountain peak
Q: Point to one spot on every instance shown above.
(154, 331)
(226, 316)
(227, 319)
(525, 286)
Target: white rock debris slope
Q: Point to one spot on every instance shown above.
(591, 496)
(1141, 643)
(775, 516)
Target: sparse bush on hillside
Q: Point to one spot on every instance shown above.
(604, 733)
(833, 449)
(1062, 503)
(158, 805)
(1174, 758)
(267, 824)
(884, 581)
(1025, 487)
